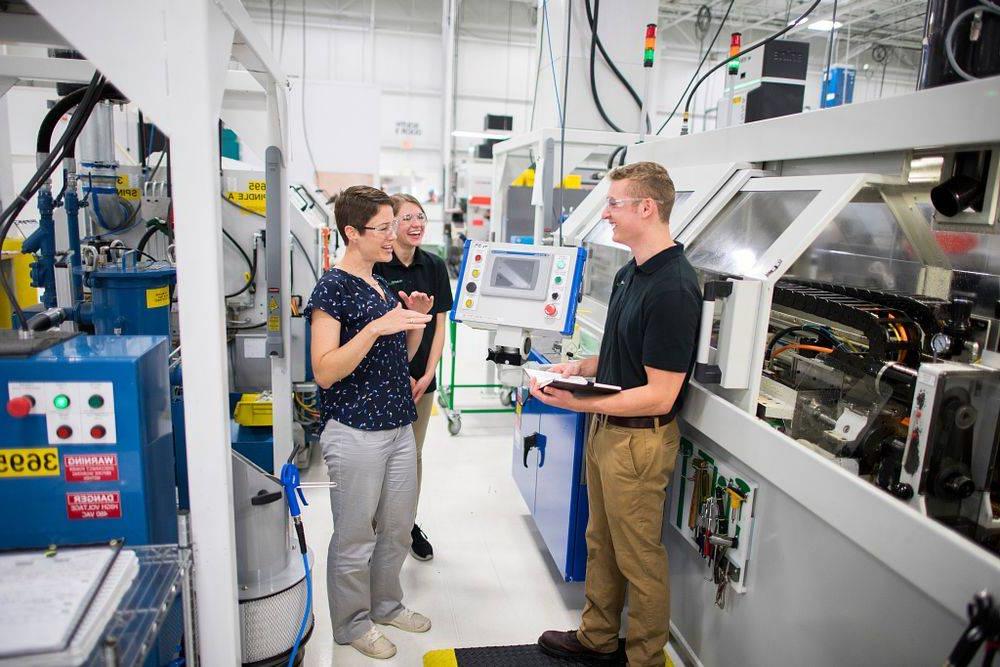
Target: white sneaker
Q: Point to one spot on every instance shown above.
(375, 645)
(410, 621)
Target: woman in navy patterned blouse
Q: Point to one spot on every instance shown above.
(362, 339)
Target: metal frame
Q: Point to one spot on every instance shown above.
(544, 141)
(833, 193)
(703, 182)
(176, 72)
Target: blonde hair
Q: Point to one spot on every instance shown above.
(403, 198)
(648, 179)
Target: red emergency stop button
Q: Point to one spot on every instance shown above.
(97, 432)
(550, 309)
(19, 407)
(63, 432)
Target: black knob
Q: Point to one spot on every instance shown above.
(959, 487)
(901, 490)
(470, 288)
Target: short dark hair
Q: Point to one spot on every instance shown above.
(356, 206)
(648, 179)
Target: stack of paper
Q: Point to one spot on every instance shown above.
(575, 383)
(54, 608)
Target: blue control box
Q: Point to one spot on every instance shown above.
(86, 452)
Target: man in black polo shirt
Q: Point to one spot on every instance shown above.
(649, 344)
(414, 270)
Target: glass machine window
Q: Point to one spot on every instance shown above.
(745, 229)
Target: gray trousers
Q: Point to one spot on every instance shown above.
(374, 500)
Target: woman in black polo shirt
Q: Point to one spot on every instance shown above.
(414, 270)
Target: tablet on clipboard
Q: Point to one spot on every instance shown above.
(574, 383)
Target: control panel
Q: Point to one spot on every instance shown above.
(514, 285)
(76, 413)
(87, 451)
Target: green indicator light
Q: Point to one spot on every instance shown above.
(648, 55)
(95, 401)
(734, 66)
(61, 401)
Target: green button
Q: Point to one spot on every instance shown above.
(558, 280)
(95, 401)
(560, 264)
(61, 401)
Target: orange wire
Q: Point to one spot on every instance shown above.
(814, 348)
(901, 334)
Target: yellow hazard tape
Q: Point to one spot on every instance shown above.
(441, 658)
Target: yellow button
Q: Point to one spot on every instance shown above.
(468, 303)
(475, 273)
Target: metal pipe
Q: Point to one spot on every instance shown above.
(72, 204)
(187, 590)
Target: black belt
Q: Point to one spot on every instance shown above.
(638, 422)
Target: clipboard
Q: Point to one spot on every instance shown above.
(574, 383)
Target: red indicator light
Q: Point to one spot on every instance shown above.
(98, 432)
(64, 432)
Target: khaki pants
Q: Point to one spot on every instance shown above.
(627, 475)
(424, 406)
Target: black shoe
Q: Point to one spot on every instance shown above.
(566, 645)
(421, 548)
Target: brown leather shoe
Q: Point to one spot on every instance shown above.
(566, 645)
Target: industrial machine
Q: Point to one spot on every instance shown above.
(88, 452)
(769, 82)
(516, 291)
(93, 382)
(843, 420)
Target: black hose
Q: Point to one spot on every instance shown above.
(768, 40)
(251, 264)
(154, 227)
(42, 174)
(592, 21)
(593, 74)
(312, 267)
(701, 64)
(58, 110)
(611, 160)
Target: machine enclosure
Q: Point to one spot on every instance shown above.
(139, 484)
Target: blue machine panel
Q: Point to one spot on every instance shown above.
(99, 423)
(838, 89)
(550, 478)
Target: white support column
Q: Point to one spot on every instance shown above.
(449, 32)
(196, 70)
(281, 367)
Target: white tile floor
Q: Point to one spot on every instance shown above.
(491, 581)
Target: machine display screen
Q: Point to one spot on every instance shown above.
(517, 273)
(520, 276)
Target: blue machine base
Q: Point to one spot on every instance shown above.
(550, 479)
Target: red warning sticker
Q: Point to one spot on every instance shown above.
(91, 467)
(94, 505)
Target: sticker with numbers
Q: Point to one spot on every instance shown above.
(34, 462)
(125, 190)
(253, 199)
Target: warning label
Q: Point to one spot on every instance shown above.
(251, 200)
(94, 505)
(91, 467)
